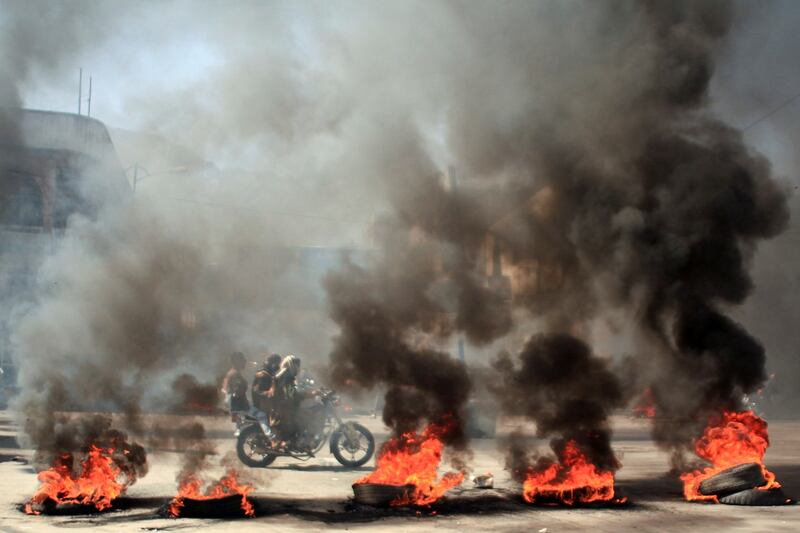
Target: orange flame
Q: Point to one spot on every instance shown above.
(737, 438)
(413, 459)
(97, 484)
(192, 488)
(646, 407)
(572, 480)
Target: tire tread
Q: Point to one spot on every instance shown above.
(735, 479)
(756, 497)
(370, 449)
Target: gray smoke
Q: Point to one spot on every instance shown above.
(137, 305)
(590, 168)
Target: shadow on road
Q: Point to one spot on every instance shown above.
(325, 510)
(333, 511)
(322, 468)
(666, 486)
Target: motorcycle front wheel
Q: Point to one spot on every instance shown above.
(249, 445)
(352, 444)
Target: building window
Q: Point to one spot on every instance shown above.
(68, 199)
(21, 201)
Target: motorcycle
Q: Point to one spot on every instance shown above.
(350, 443)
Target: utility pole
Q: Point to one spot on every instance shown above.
(136, 168)
(80, 89)
(89, 100)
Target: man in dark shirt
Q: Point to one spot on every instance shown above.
(234, 386)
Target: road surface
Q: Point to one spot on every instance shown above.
(294, 496)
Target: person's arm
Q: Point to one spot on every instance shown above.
(255, 387)
(263, 386)
(225, 383)
(272, 391)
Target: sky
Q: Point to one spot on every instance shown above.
(155, 52)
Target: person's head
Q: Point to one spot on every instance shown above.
(238, 360)
(272, 363)
(290, 366)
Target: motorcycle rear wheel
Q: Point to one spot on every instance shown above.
(246, 448)
(340, 446)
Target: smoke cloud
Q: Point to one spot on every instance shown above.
(568, 391)
(607, 181)
(593, 181)
(137, 304)
(754, 87)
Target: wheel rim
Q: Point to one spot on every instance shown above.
(251, 445)
(353, 449)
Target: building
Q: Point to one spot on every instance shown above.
(520, 277)
(52, 166)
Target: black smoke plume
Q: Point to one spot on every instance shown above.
(194, 397)
(609, 188)
(569, 392)
(378, 316)
(191, 439)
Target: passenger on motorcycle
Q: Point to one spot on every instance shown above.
(261, 390)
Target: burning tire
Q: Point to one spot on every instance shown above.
(249, 446)
(380, 495)
(227, 507)
(54, 508)
(734, 479)
(757, 497)
(359, 445)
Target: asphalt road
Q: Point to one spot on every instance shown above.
(316, 495)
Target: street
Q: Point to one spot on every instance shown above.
(292, 496)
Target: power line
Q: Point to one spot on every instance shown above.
(772, 112)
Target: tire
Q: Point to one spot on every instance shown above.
(53, 508)
(734, 479)
(756, 497)
(380, 495)
(247, 434)
(227, 507)
(337, 437)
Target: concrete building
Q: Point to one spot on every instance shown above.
(52, 166)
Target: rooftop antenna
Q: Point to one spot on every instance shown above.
(89, 100)
(80, 89)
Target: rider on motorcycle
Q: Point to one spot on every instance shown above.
(301, 427)
(287, 397)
